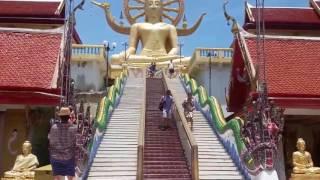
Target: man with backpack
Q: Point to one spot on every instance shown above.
(165, 106)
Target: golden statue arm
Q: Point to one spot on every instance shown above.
(295, 164)
(310, 161)
(186, 32)
(110, 20)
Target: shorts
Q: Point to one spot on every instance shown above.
(166, 114)
(188, 115)
(171, 71)
(63, 167)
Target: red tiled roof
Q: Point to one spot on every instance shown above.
(292, 71)
(285, 18)
(292, 66)
(28, 8)
(289, 15)
(28, 60)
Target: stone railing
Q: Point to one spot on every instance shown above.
(215, 52)
(216, 55)
(85, 52)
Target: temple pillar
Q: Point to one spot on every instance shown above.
(280, 162)
(2, 117)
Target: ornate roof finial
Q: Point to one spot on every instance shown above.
(235, 26)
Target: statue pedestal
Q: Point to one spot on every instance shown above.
(43, 173)
(16, 178)
(305, 176)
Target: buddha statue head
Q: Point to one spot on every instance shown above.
(153, 11)
(26, 148)
(301, 144)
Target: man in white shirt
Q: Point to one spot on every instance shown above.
(171, 69)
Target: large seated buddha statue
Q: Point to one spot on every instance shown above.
(158, 39)
(302, 163)
(24, 165)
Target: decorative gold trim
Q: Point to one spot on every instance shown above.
(252, 71)
(249, 12)
(235, 27)
(110, 19)
(315, 6)
(60, 7)
(174, 20)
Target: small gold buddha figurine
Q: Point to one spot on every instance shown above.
(302, 160)
(24, 164)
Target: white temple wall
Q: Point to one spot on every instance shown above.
(88, 76)
(220, 75)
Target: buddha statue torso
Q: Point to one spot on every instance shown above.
(153, 38)
(24, 162)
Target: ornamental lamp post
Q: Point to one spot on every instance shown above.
(107, 49)
(210, 64)
(125, 45)
(180, 44)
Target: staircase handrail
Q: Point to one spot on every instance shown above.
(220, 124)
(104, 110)
(191, 140)
(142, 132)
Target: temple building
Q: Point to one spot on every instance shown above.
(31, 54)
(291, 70)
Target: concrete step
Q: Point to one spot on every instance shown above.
(126, 156)
(113, 178)
(116, 157)
(219, 177)
(106, 173)
(118, 168)
(107, 165)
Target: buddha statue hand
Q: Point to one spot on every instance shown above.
(119, 58)
(105, 6)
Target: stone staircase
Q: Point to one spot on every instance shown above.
(163, 154)
(116, 157)
(214, 161)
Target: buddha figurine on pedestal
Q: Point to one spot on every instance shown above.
(158, 39)
(24, 165)
(302, 163)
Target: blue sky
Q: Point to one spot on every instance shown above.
(213, 32)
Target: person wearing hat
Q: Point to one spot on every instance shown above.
(62, 146)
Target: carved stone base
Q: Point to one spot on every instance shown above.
(9, 175)
(16, 178)
(305, 177)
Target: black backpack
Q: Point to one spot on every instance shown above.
(161, 104)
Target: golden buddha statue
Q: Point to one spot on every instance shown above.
(303, 164)
(24, 165)
(158, 39)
